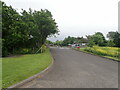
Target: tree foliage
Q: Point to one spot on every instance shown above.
(73, 40)
(26, 29)
(114, 38)
(111, 35)
(58, 43)
(96, 39)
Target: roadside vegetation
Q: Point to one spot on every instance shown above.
(23, 43)
(96, 44)
(24, 35)
(16, 69)
(109, 52)
(113, 40)
(0, 73)
(25, 32)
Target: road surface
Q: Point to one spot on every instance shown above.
(74, 69)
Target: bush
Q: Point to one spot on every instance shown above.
(43, 48)
(23, 51)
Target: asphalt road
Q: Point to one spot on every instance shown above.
(74, 69)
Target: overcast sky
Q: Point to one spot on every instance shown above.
(76, 17)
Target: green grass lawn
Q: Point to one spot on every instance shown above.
(109, 52)
(16, 69)
(0, 73)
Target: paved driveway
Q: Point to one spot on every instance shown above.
(74, 69)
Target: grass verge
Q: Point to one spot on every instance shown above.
(16, 69)
(0, 73)
(108, 52)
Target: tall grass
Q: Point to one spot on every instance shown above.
(104, 51)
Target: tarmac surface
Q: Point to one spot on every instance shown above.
(74, 69)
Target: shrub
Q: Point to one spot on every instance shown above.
(23, 51)
(43, 48)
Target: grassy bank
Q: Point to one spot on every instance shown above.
(109, 52)
(0, 74)
(16, 69)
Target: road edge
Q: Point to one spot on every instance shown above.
(96, 55)
(39, 75)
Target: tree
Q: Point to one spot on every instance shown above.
(69, 40)
(46, 24)
(49, 42)
(111, 35)
(96, 39)
(90, 41)
(74, 40)
(26, 30)
(81, 40)
(9, 19)
(58, 43)
(116, 39)
(110, 43)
